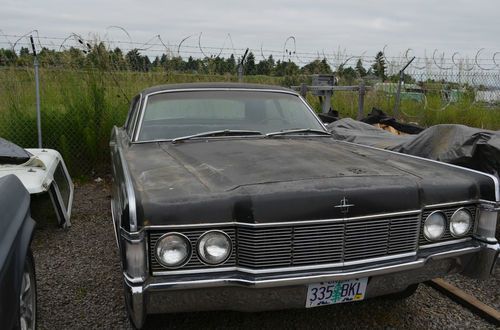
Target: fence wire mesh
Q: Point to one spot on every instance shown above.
(86, 85)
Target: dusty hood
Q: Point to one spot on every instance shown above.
(226, 165)
(268, 180)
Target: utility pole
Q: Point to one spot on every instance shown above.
(37, 88)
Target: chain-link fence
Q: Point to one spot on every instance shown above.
(86, 86)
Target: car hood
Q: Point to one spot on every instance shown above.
(283, 179)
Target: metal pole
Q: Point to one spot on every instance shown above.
(37, 89)
(303, 90)
(398, 93)
(240, 67)
(361, 100)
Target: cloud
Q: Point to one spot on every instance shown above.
(319, 26)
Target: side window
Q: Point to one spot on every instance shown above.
(129, 124)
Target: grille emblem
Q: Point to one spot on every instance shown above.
(344, 206)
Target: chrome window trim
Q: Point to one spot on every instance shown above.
(455, 241)
(494, 178)
(144, 101)
(281, 224)
(284, 269)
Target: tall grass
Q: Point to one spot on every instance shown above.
(79, 108)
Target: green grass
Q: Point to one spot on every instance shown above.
(79, 108)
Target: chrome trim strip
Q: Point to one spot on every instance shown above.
(365, 261)
(282, 224)
(284, 269)
(477, 201)
(130, 192)
(301, 280)
(455, 241)
(204, 89)
(113, 219)
(133, 279)
(494, 178)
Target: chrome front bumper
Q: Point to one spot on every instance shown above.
(245, 292)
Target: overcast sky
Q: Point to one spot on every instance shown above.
(318, 26)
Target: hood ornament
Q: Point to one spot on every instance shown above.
(344, 205)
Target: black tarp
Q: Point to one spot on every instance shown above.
(11, 153)
(461, 145)
(377, 116)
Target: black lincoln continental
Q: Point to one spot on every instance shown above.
(236, 197)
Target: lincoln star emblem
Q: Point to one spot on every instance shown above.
(344, 205)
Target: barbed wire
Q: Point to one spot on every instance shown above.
(156, 45)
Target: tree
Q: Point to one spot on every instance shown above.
(286, 68)
(231, 64)
(265, 67)
(360, 69)
(316, 67)
(379, 66)
(249, 65)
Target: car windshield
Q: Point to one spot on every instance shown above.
(178, 114)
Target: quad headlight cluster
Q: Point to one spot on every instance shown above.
(173, 250)
(436, 223)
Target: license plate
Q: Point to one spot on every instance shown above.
(335, 292)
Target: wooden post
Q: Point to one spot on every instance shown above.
(361, 100)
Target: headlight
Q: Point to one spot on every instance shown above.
(460, 222)
(173, 250)
(214, 247)
(434, 226)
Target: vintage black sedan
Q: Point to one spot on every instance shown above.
(235, 197)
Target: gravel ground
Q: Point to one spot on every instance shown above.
(79, 287)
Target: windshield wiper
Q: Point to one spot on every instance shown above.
(222, 132)
(298, 130)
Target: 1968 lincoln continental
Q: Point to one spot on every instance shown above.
(235, 197)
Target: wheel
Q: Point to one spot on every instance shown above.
(406, 293)
(27, 301)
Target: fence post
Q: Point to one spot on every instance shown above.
(240, 67)
(398, 93)
(37, 89)
(303, 90)
(361, 100)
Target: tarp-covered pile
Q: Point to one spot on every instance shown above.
(461, 145)
(11, 153)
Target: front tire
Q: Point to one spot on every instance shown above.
(28, 296)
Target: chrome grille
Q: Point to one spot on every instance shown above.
(449, 212)
(303, 245)
(263, 247)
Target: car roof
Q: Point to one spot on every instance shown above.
(215, 85)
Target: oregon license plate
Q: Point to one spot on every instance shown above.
(335, 292)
